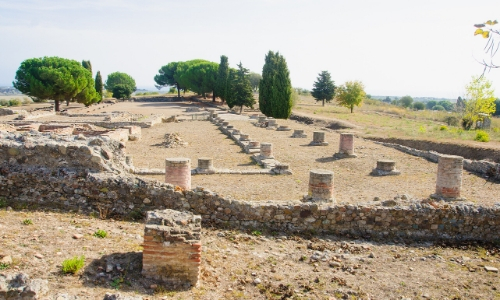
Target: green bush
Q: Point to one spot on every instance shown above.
(73, 265)
(3, 202)
(438, 107)
(4, 102)
(451, 121)
(100, 233)
(27, 222)
(443, 128)
(482, 136)
(15, 102)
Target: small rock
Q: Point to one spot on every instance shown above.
(6, 260)
(153, 286)
(77, 236)
(221, 234)
(490, 269)
(109, 268)
(335, 264)
(146, 201)
(38, 255)
(371, 255)
(257, 281)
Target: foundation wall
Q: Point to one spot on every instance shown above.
(30, 176)
(123, 195)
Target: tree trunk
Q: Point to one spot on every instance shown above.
(67, 102)
(178, 90)
(56, 106)
(213, 97)
(323, 102)
(241, 109)
(352, 107)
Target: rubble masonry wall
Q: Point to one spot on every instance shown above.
(38, 173)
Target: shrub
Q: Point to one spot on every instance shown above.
(172, 90)
(100, 233)
(443, 128)
(27, 100)
(438, 107)
(3, 202)
(73, 265)
(418, 106)
(27, 222)
(451, 121)
(15, 102)
(482, 136)
(4, 102)
(422, 129)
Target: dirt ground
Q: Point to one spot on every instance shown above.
(258, 264)
(353, 182)
(244, 265)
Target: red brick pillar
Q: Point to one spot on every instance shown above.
(266, 150)
(346, 143)
(321, 188)
(449, 176)
(178, 172)
(172, 248)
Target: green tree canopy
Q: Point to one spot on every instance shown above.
(55, 78)
(479, 101)
(240, 89)
(275, 87)
(119, 78)
(197, 75)
(447, 105)
(255, 80)
(166, 77)
(98, 85)
(349, 94)
(122, 91)
(406, 101)
(430, 104)
(324, 87)
(221, 85)
(418, 105)
(87, 65)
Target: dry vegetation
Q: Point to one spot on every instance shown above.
(265, 265)
(376, 118)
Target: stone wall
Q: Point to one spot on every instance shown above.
(484, 167)
(54, 152)
(41, 173)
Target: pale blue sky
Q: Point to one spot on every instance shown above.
(419, 48)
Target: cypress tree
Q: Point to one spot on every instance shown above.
(221, 85)
(242, 89)
(87, 65)
(275, 87)
(98, 85)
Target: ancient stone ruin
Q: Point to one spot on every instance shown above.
(172, 247)
(385, 167)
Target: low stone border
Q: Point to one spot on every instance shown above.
(484, 167)
(120, 195)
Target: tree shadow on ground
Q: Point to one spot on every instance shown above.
(327, 159)
(122, 272)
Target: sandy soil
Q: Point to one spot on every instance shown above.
(353, 182)
(233, 263)
(257, 264)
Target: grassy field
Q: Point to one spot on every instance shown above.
(377, 118)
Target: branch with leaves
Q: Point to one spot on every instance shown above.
(488, 31)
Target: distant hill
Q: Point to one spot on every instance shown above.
(8, 90)
(416, 99)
